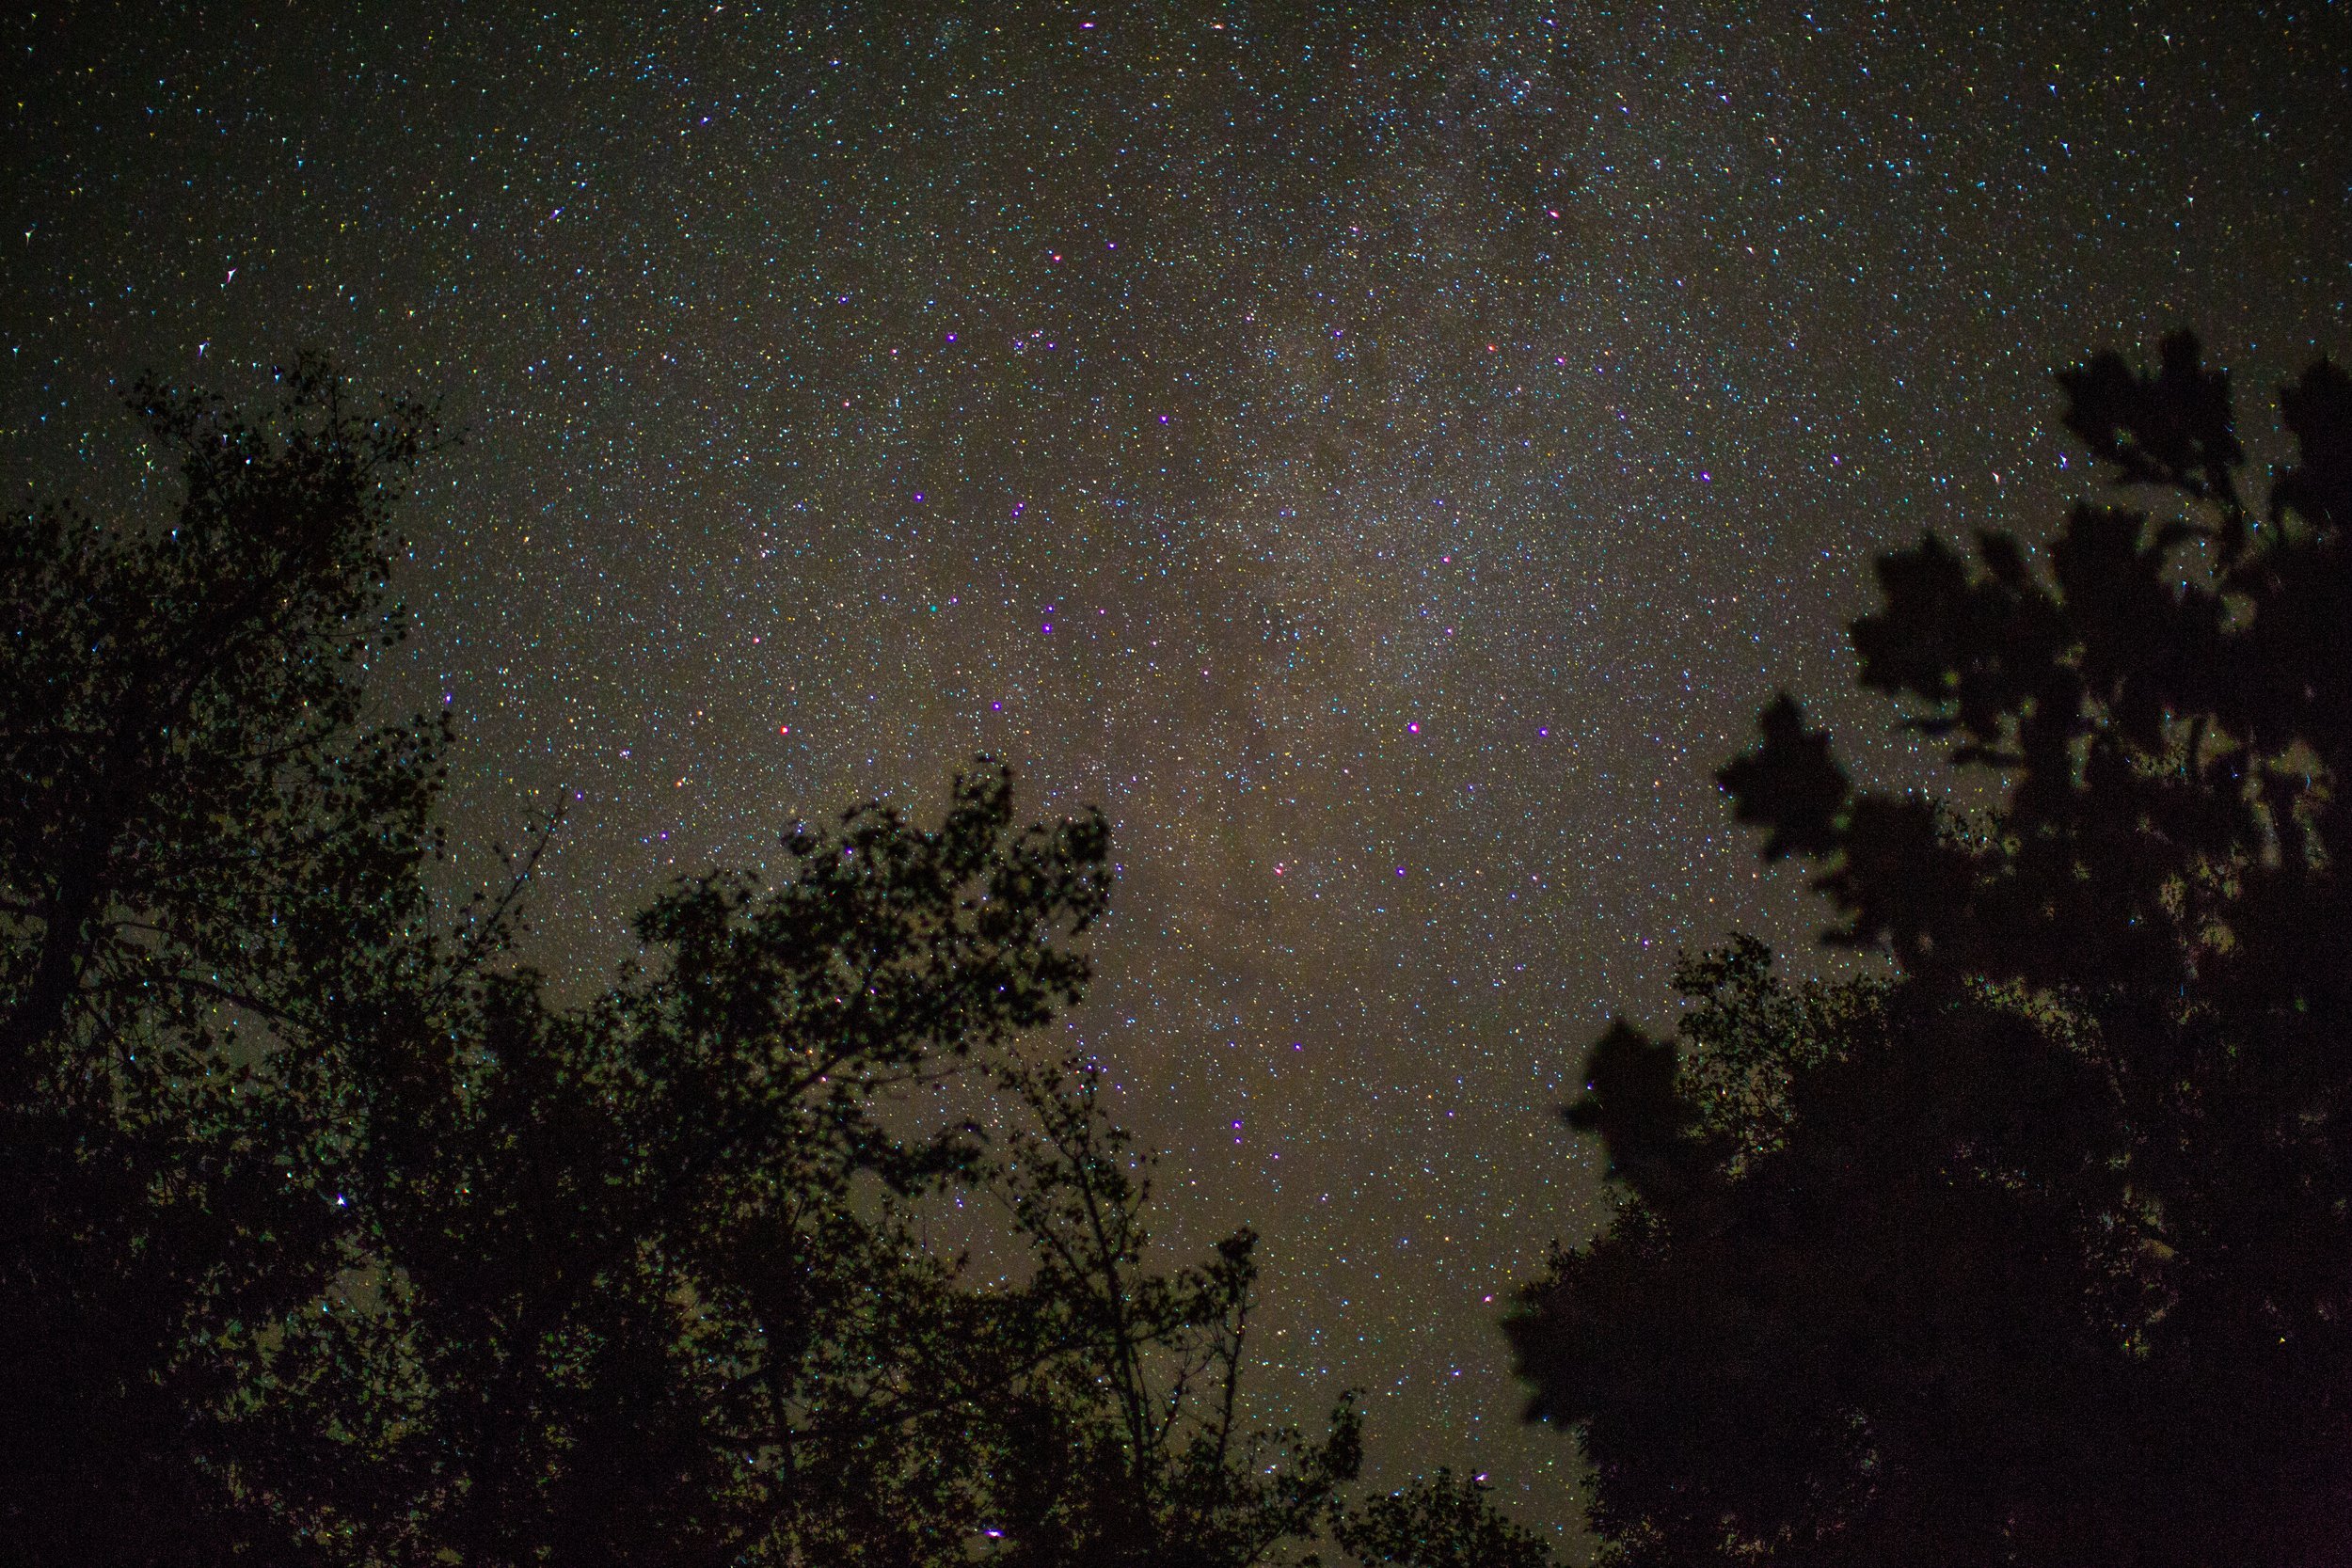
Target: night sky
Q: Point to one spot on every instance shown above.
(1383, 454)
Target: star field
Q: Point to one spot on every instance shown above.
(1383, 454)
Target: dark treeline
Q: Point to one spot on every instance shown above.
(329, 1237)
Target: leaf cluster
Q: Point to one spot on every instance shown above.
(2038, 1250)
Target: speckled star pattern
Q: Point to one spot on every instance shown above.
(1383, 454)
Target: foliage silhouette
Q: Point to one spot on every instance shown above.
(1129, 1449)
(333, 1240)
(1439, 1522)
(210, 911)
(2036, 1252)
(645, 1312)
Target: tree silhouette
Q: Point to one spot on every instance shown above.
(1129, 1450)
(2038, 1251)
(642, 1311)
(209, 877)
(1439, 1522)
(332, 1239)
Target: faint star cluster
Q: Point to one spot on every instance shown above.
(1384, 454)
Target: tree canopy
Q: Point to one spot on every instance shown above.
(2038, 1250)
(331, 1238)
(211, 912)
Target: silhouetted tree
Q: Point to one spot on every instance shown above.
(2040, 1252)
(1439, 1522)
(209, 890)
(653, 1292)
(640, 1308)
(1129, 1450)
(331, 1238)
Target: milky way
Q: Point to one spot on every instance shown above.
(1384, 455)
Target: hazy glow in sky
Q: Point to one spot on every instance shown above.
(1385, 458)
